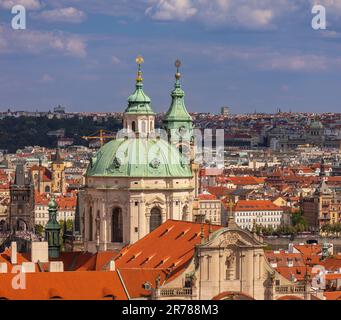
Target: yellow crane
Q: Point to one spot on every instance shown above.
(101, 135)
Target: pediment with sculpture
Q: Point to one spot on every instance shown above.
(226, 237)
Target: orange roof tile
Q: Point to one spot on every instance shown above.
(170, 247)
(256, 205)
(77, 285)
(334, 295)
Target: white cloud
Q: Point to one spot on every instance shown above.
(69, 14)
(245, 13)
(172, 10)
(296, 63)
(268, 59)
(38, 42)
(333, 5)
(28, 4)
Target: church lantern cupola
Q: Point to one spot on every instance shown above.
(52, 230)
(177, 122)
(139, 116)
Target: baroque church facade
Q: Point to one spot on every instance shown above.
(142, 178)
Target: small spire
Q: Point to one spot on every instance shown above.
(52, 204)
(139, 61)
(177, 65)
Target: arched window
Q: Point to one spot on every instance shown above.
(184, 213)
(155, 219)
(144, 127)
(133, 126)
(90, 224)
(47, 189)
(117, 225)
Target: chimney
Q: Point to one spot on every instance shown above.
(14, 253)
(291, 248)
(56, 266)
(112, 265)
(3, 267)
(39, 252)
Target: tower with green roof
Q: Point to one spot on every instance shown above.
(52, 230)
(177, 122)
(139, 116)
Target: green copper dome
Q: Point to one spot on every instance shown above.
(139, 102)
(138, 158)
(316, 125)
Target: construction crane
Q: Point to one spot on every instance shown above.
(101, 135)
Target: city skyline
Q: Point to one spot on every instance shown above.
(254, 55)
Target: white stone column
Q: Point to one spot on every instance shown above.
(139, 214)
(249, 271)
(260, 261)
(104, 238)
(143, 230)
(147, 222)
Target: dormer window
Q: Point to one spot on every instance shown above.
(147, 286)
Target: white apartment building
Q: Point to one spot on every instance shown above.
(262, 212)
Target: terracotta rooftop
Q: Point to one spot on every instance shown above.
(256, 205)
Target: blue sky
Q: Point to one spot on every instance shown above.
(247, 54)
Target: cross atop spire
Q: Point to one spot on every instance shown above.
(178, 65)
(139, 61)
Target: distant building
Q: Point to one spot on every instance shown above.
(260, 212)
(225, 111)
(58, 174)
(64, 142)
(324, 207)
(42, 179)
(66, 209)
(210, 209)
(59, 109)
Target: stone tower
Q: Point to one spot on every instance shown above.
(22, 202)
(58, 174)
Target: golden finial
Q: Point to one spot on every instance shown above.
(139, 61)
(178, 65)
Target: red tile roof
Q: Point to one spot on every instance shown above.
(168, 248)
(256, 205)
(334, 295)
(207, 197)
(77, 285)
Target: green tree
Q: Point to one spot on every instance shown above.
(297, 218)
(39, 230)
